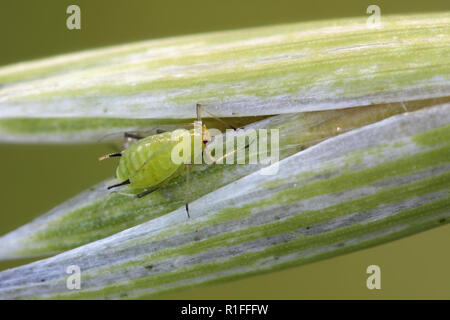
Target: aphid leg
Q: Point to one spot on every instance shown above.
(220, 120)
(146, 192)
(120, 184)
(186, 191)
(403, 106)
(110, 195)
(110, 155)
(215, 160)
(132, 136)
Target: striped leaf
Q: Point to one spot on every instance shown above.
(97, 213)
(364, 128)
(262, 71)
(364, 187)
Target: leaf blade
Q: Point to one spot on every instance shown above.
(401, 165)
(262, 71)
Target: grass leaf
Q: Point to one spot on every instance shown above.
(97, 213)
(364, 119)
(364, 187)
(254, 72)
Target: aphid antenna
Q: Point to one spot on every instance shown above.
(110, 134)
(130, 133)
(110, 155)
(119, 184)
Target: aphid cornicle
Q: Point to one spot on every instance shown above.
(147, 163)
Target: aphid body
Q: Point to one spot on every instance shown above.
(148, 162)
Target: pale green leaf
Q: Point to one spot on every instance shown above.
(349, 178)
(364, 187)
(261, 71)
(97, 213)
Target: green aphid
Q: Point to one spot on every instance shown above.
(148, 163)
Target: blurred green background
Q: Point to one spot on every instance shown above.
(36, 178)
